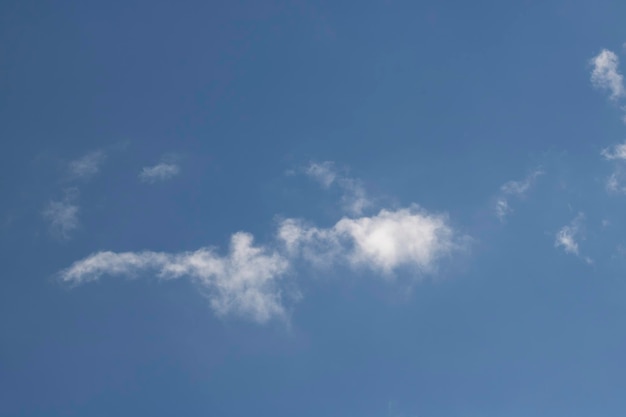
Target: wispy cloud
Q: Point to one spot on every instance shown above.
(250, 281)
(323, 172)
(354, 199)
(517, 189)
(243, 283)
(87, 166)
(63, 215)
(159, 172)
(605, 74)
(617, 154)
(569, 236)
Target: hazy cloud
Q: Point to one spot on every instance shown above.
(323, 172)
(569, 236)
(615, 152)
(354, 198)
(87, 166)
(63, 215)
(605, 74)
(516, 189)
(160, 172)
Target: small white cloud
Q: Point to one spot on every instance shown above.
(160, 172)
(354, 199)
(383, 242)
(87, 166)
(242, 283)
(605, 74)
(502, 208)
(323, 172)
(63, 215)
(569, 236)
(614, 183)
(517, 189)
(615, 152)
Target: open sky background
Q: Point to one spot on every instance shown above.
(296, 208)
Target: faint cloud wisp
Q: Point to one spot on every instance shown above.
(87, 166)
(517, 189)
(63, 215)
(160, 172)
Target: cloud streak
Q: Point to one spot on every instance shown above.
(160, 172)
(517, 189)
(243, 282)
(87, 166)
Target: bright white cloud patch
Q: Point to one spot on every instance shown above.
(605, 74)
(242, 283)
(87, 166)
(354, 199)
(160, 172)
(385, 242)
(62, 215)
(569, 236)
(517, 189)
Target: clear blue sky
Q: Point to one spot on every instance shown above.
(343, 209)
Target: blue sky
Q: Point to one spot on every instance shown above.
(350, 209)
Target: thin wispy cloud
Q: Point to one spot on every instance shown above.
(87, 165)
(251, 281)
(616, 154)
(323, 172)
(605, 74)
(159, 172)
(354, 198)
(243, 282)
(62, 215)
(569, 236)
(515, 189)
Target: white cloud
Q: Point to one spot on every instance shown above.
(323, 172)
(616, 152)
(249, 281)
(384, 242)
(605, 74)
(242, 283)
(63, 215)
(87, 166)
(354, 199)
(160, 172)
(568, 236)
(517, 189)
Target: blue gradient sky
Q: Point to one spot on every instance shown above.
(350, 209)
